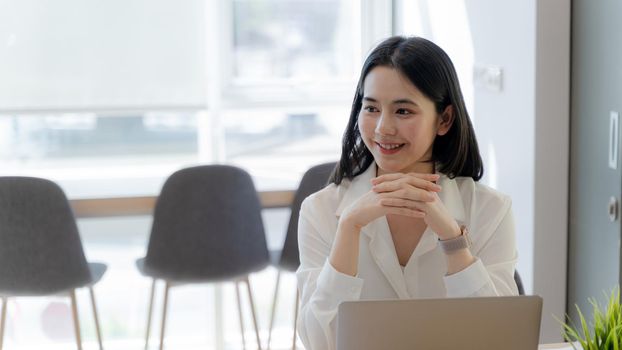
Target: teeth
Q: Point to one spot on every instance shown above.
(390, 145)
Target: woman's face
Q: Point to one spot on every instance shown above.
(398, 123)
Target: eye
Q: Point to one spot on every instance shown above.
(370, 109)
(403, 111)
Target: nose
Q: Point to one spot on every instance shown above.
(385, 125)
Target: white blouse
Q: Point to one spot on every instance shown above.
(485, 212)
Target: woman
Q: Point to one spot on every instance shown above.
(404, 216)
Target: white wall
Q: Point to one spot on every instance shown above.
(522, 125)
(552, 134)
(504, 36)
(523, 131)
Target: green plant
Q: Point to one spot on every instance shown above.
(606, 332)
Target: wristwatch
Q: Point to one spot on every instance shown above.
(461, 242)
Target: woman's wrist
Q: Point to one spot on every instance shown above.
(456, 231)
(459, 260)
(347, 225)
(345, 251)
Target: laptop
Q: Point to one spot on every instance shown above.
(508, 323)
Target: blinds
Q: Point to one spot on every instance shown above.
(67, 54)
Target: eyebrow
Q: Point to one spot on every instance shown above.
(395, 102)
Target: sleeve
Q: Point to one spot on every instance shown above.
(492, 274)
(321, 287)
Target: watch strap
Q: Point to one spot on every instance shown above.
(461, 242)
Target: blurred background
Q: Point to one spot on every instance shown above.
(108, 98)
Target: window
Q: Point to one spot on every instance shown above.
(294, 39)
(109, 98)
(447, 24)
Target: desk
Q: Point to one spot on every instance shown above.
(557, 346)
(128, 206)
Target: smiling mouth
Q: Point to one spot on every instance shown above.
(390, 146)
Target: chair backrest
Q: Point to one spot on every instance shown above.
(312, 181)
(519, 283)
(40, 248)
(207, 225)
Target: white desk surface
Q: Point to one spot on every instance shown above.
(557, 346)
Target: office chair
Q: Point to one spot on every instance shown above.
(519, 283)
(207, 227)
(40, 249)
(288, 258)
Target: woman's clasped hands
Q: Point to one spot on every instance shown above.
(412, 195)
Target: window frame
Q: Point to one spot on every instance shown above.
(374, 18)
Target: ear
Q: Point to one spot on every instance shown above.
(445, 121)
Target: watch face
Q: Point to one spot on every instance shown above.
(465, 233)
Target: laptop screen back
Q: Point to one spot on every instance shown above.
(509, 323)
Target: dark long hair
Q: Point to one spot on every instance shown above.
(428, 68)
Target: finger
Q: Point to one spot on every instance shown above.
(400, 183)
(413, 213)
(402, 203)
(395, 176)
(412, 194)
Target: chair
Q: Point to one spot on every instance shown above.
(40, 249)
(288, 258)
(519, 283)
(207, 227)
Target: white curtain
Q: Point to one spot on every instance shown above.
(66, 54)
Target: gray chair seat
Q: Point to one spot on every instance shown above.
(97, 272)
(179, 279)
